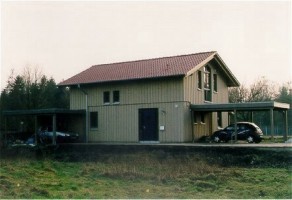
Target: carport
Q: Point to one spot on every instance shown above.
(51, 116)
(246, 106)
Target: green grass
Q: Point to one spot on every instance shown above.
(143, 174)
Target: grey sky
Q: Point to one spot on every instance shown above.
(65, 38)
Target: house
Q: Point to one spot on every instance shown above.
(150, 100)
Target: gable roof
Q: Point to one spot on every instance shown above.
(146, 69)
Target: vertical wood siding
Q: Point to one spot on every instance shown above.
(120, 123)
(196, 96)
(172, 97)
(139, 92)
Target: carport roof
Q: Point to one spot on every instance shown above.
(246, 106)
(49, 111)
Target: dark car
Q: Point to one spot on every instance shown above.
(245, 131)
(46, 137)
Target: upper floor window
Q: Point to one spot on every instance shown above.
(116, 96)
(207, 83)
(199, 80)
(106, 97)
(215, 83)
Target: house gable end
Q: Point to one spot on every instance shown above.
(215, 60)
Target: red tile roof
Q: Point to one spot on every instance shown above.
(141, 69)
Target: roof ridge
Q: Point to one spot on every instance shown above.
(154, 58)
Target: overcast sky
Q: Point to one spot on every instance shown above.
(65, 38)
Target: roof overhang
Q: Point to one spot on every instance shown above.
(246, 106)
(231, 79)
(50, 111)
(122, 81)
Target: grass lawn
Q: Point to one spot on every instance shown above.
(146, 174)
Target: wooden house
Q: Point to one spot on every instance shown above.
(150, 100)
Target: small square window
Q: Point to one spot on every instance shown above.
(106, 97)
(93, 119)
(116, 96)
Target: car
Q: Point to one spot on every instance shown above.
(46, 137)
(247, 131)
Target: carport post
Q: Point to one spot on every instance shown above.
(235, 127)
(5, 133)
(272, 123)
(286, 125)
(54, 129)
(35, 129)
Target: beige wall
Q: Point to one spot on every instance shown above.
(138, 92)
(120, 123)
(172, 97)
(196, 96)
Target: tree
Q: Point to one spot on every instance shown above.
(260, 90)
(285, 96)
(32, 90)
(285, 93)
(238, 94)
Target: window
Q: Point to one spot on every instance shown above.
(106, 97)
(219, 119)
(199, 79)
(93, 119)
(207, 83)
(116, 96)
(215, 82)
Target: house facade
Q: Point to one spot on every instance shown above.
(150, 100)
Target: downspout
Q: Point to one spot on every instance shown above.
(192, 125)
(86, 112)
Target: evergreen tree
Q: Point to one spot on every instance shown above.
(27, 91)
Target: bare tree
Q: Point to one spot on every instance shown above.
(32, 74)
(260, 90)
(238, 94)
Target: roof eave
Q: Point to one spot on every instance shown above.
(232, 82)
(244, 106)
(121, 80)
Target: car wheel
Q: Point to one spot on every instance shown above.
(250, 139)
(216, 139)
